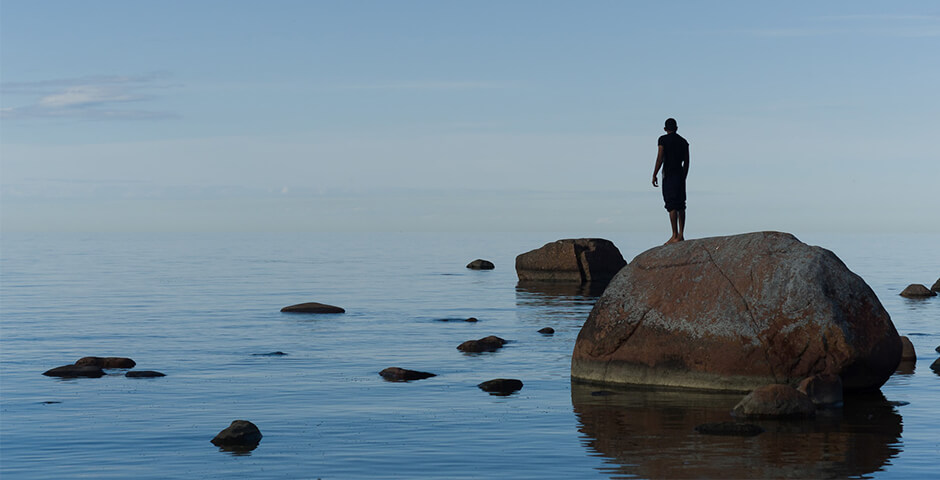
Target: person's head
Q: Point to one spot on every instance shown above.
(671, 125)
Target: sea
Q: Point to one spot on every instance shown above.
(204, 308)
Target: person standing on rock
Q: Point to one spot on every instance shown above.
(673, 158)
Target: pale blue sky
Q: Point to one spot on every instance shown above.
(414, 115)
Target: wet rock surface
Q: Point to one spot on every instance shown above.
(144, 374)
(480, 264)
(547, 331)
(396, 374)
(501, 386)
(491, 343)
(583, 260)
(740, 312)
(241, 434)
(312, 307)
(907, 350)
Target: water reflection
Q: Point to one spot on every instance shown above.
(541, 302)
(651, 434)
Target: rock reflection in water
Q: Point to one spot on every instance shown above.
(545, 303)
(652, 434)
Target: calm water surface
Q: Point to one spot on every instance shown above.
(200, 307)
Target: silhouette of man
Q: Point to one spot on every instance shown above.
(673, 158)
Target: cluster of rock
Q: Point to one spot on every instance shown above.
(94, 367)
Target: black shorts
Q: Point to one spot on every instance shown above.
(674, 192)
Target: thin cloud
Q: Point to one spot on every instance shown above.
(102, 97)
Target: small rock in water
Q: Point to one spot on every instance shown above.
(775, 401)
(485, 344)
(730, 428)
(470, 320)
(907, 350)
(144, 374)
(240, 435)
(395, 374)
(935, 366)
(937, 349)
(270, 354)
(107, 362)
(312, 307)
(480, 264)
(75, 371)
(547, 331)
(936, 286)
(501, 386)
(51, 402)
(916, 290)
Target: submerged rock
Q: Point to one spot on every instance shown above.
(395, 374)
(907, 350)
(583, 260)
(107, 362)
(75, 371)
(480, 264)
(312, 307)
(775, 401)
(916, 290)
(241, 434)
(729, 428)
(144, 374)
(501, 386)
(735, 313)
(485, 344)
(822, 389)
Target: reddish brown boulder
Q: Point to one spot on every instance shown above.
(107, 362)
(583, 260)
(822, 389)
(735, 313)
(916, 290)
(485, 344)
(312, 307)
(775, 401)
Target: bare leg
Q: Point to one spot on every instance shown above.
(681, 222)
(674, 221)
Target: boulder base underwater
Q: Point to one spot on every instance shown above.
(735, 313)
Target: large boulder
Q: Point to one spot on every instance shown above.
(583, 260)
(735, 313)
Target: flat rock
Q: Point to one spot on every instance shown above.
(270, 354)
(775, 401)
(822, 389)
(144, 374)
(547, 331)
(735, 313)
(582, 260)
(241, 433)
(468, 320)
(312, 307)
(485, 344)
(907, 350)
(730, 429)
(75, 371)
(501, 386)
(480, 264)
(396, 374)
(916, 290)
(107, 362)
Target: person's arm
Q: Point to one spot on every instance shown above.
(659, 164)
(685, 166)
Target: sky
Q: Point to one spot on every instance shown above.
(802, 116)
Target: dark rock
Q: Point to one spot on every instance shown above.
(899, 403)
(480, 264)
(907, 350)
(485, 344)
(937, 349)
(51, 402)
(144, 374)
(739, 312)
(469, 320)
(501, 386)
(935, 366)
(395, 374)
(602, 393)
(936, 286)
(241, 433)
(822, 389)
(729, 428)
(547, 331)
(107, 362)
(269, 354)
(73, 371)
(916, 290)
(777, 400)
(583, 260)
(312, 307)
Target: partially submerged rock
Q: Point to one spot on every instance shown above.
(907, 350)
(270, 354)
(583, 260)
(485, 344)
(501, 386)
(468, 320)
(396, 374)
(823, 389)
(312, 307)
(75, 371)
(240, 434)
(734, 429)
(935, 366)
(107, 362)
(916, 290)
(735, 313)
(547, 331)
(480, 264)
(936, 286)
(144, 374)
(775, 401)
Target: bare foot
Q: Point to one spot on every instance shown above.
(672, 240)
(680, 239)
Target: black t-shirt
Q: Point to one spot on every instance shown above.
(675, 153)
